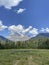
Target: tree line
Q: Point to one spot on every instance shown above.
(30, 44)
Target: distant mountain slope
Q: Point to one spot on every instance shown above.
(43, 34)
(40, 36)
(17, 37)
(25, 38)
(2, 38)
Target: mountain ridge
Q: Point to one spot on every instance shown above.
(41, 35)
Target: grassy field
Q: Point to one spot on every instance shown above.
(24, 57)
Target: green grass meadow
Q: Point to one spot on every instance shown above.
(24, 57)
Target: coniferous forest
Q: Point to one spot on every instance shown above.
(33, 43)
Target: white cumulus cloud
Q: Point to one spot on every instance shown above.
(20, 10)
(2, 27)
(44, 30)
(47, 30)
(27, 30)
(15, 29)
(22, 31)
(34, 32)
(19, 29)
(9, 3)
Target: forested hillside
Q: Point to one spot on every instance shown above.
(38, 42)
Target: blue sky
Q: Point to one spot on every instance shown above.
(31, 15)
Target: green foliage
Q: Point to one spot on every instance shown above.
(35, 43)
